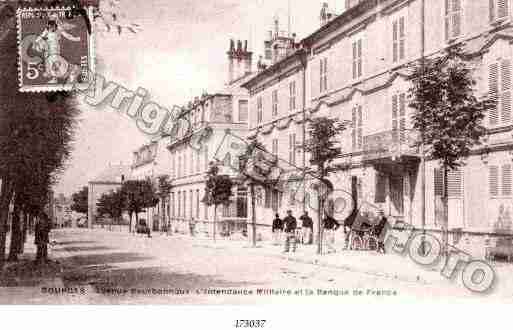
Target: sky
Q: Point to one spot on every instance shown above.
(179, 53)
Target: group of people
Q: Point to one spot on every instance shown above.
(289, 227)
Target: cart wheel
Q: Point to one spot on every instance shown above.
(356, 243)
(372, 243)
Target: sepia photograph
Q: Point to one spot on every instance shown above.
(256, 153)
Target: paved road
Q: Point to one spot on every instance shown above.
(104, 267)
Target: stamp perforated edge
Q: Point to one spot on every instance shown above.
(53, 87)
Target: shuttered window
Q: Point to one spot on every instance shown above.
(493, 181)
(499, 9)
(357, 128)
(398, 39)
(275, 147)
(292, 149)
(323, 75)
(292, 97)
(500, 91)
(506, 180)
(452, 19)
(454, 183)
(399, 117)
(357, 59)
(275, 103)
(259, 109)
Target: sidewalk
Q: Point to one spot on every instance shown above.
(390, 265)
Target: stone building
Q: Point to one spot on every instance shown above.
(353, 68)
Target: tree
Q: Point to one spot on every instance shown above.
(80, 200)
(322, 145)
(218, 190)
(138, 195)
(256, 166)
(447, 114)
(163, 190)
(111, 204)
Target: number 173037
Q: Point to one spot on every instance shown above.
(250, 323)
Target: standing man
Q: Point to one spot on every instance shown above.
(330, 227)
(307, 226)
(192, 226)
(277, 229)
(381, 231)
(290, 224)
(42, 237)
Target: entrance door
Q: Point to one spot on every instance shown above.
(396, 196)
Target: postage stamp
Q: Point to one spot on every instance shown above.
(55, 49)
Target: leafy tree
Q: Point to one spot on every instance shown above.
(255, 175)
(138, 195)
(111, 204)
(447, 114)
(323, 146)
(80, 200)
(163, 190)
(218, 190)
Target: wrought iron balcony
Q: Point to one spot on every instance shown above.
(390, 145)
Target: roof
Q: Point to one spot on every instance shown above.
(112, 174)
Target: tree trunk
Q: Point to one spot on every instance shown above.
(5, 198)
(445, 229)
(16, 233)
(253, 213)
(215, 220)
(130, 214)
(24, 232)
(319, 222)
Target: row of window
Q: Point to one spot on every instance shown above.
(499, 182)
(188, 162)
(293, 149)
(275, 102)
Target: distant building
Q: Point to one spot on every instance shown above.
(107, 181)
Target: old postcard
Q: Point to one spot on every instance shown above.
(229, 152)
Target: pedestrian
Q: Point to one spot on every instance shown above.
(42, 237)
(330, 227)
(192, 226)
(381, 230)
(307, 226)
(277, 229)
(290, 225)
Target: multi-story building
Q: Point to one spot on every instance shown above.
(152, 161)
(106, 182)
(192, 149)
(353, 68)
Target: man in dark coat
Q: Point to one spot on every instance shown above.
(42, 237)
(330, 227)
(307, 226)
(290, 224)
(277, 229)
(381, 230)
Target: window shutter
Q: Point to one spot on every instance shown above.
(506, 180)
(354, 128)
(493, 181)
(394, 118)
(360, 124)
(438, 182)
(359, 57)
(492, 10)
(394, 41)
(493, 82)
(502, 10)
(454, 183)
(506, 91)
(401, 38)
(321, 72)
(325, 73)
(355, 60)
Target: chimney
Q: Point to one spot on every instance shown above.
(231, 60)
(240, 60)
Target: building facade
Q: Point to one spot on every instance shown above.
(201, 138)
(353, 68)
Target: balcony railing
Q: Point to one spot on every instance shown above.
(389, 144)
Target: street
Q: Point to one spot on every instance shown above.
(103, 267)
